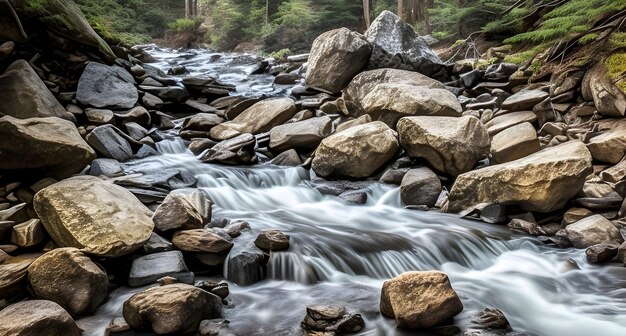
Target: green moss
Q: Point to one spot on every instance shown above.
(524, 56)
(182, 25)
(616, 65)
(588, 38)
(618, 40)
(280, 54)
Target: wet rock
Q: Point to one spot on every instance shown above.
(336, 57)
(492, 319)
(524, 100)
(218, 288)
(332, 320)
(44, 145)
(608, 146)
(451, 145)
(157, 244)
(201, 240)
(288, 158)
(26, 96)
(94, 215)
(272, 240)
(151, 101)
(388, 95)
(393, 176)
(420, 186)
(542, 182)
(514, 143)
(171, 309)
(260, 117)
(601, 253)
(117, 325)
(203, 122)
(356, 152)
(28, 234)
(105, 167)
(246, 263)
(396, 45)
(177, 70)
(104, 86)
(176, 93)
(526, 226)
(493, 213)
(305, 135)
(106, 140)
(593, 230)
(182, 210)
(419, 299)
(69, 278)
(500, 123)
(236, 151)
(37, 317)
(148, 269)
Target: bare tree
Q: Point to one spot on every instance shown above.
(366, 13)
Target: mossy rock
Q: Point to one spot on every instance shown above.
(616, 69)
(66, 18)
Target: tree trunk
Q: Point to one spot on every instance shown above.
(401, 9)
(425, 19)
(188, 9)
(366, 13)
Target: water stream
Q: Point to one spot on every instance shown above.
(341, 254)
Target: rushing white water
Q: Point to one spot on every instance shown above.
(341, 254)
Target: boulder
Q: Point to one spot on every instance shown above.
(69, 278)
(37, 317)
(258, 118)
(396, 45)
(272, 240)
(305, 134)
(246, 263)
(524, 100)
(420, 186)
(289, 158)
(96, 216)
(419, 299)
(106, 86)
(202, 122)
(13, 273)
(500, 123)
(593, 230)
(336, 57)
(147, 269)
(610, 145)
(451, 145)
(171, 309)
(388, 95)
(514, 143)
(201, 240)
(331, 320)
(181, 210)
(28, 234)
(109, 143)
(356, 152)
(26, 96)
(51, 146)
(609, 100)
(542, 182)
(99, 116)
(236, 151)
(601, 253)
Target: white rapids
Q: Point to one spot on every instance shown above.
(341, 254)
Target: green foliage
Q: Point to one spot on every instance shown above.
(181, 25)
(524, 56)
(588, 38)
(280, 54)
(618, 40)
(616, 65)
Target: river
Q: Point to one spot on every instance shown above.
(341, 253)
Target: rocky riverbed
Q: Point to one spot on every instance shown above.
(366, 188)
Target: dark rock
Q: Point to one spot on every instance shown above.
(105, 167)
(236, 151)
(106, 140)
(420, 186)
(218, 288)
(333, 320)
(157, 244)
(105, 86)
(601, 253)
(246, 263)
(493, 213)
(492, 319)
(176, 93)
(147, 269)
(272, 240)
(287, 158)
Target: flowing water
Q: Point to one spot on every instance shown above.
(341, 254)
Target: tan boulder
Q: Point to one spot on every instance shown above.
(171, 309)
(609, 100)
(542, 182)
(514, 143)
(419, 299)
(610, 145)
(181, 210)
(37, 317)
(96, 216)
(304, 135)
(389, 94)
(449, 144)
(356, 152)
(200, 240)
(258, 118)
(69, 278)
(593, 230)
(500, 123)
(336, 57)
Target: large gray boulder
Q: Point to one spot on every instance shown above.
(389, 94)
(396, 45)
(97, 216)
(69, 278)
(106, 86)
(258, 118)
(50, 145)
(336, 57)
(451, 145)
(26, 96)
(419, 300)
(37, 317)
(304, 135)
(356, 152)
(542, 182)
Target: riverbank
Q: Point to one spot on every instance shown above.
(160, 191)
